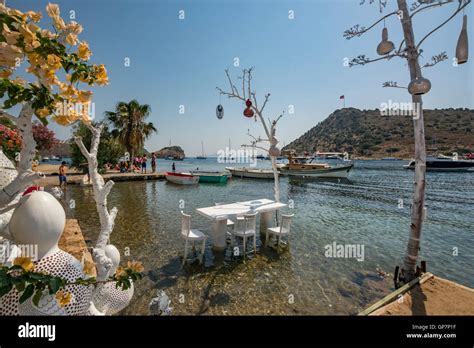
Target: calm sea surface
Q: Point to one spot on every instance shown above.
(364, 210)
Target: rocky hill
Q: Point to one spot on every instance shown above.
(171, 151)
(368, 134)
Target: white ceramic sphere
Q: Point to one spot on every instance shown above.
(40, 220)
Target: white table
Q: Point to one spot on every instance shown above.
(220, 213)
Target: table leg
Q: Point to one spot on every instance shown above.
(266, 220)
(218, 231)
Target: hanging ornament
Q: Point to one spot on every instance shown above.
(220, 111)
(248, 102)
(248, 112)
(419, 86)
(274, 151)
(462, 47)
(385, 46)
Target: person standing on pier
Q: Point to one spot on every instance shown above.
(144, 160)
(62, 175)
(153, 162)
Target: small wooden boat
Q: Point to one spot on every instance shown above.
(303, 167)
(251, 173)
(182, 178)
(211, 177)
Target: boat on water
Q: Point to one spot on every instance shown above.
(252, 173)
(443, 163)
(202, 156)
(261, 157)
(211, 177)
(182, 178)
(303, 166)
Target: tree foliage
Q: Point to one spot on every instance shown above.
(110, 150)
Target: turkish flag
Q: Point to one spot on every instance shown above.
(341, 97)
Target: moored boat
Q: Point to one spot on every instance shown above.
(444, 164)
(303, 167)
(252, 173)
(182, 178)
(211, 177)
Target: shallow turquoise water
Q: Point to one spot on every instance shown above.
(302, 280)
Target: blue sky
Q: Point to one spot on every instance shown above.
(299, 61)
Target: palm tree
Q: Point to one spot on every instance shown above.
(130, 128)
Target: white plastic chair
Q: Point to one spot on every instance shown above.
(282, 230)
(246, 228)
(191, 235)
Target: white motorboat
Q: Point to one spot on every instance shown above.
(182, 178)
(252, 173)
(303, 167)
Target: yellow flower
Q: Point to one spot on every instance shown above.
(85, 96)
(120, 272)
(15, 12)
(135, 266)
(10, 36)
(52, 10)
(28, 33)
(43, 112)
(48, 34)
(101, 75)
(19, 81)
(63, 298)
(58, 23)
(25, 263)
(74, 27)
(68, 90)
(89, 268)
(54, 61)
(5, 74)
(83, 51)
(35, 16)
(9, 55)
(72, 39)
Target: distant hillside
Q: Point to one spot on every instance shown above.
(61, 149)
(365, 133)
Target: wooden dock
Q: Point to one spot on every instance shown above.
(76, 179)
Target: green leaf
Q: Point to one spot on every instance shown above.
(37, 296)
(27, 293)
(20, 286)
(5, 289)
(54, 285)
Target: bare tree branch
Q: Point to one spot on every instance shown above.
(459, 9)
(433, 3)
(357, 30)
(12, 118)
(363, 59)
(436, 59)
(392, 84)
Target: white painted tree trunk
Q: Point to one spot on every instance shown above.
(276, 179)
(413, 247)
(25, 174)
(101, 190)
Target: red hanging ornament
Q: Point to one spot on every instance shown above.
(248, 112)
(248, 102)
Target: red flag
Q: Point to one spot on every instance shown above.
(341, 97)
